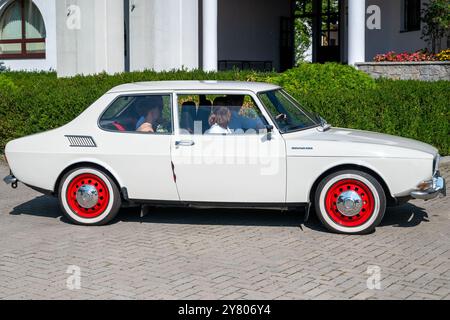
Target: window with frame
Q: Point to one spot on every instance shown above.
(286, 112)
(411, 15)
(22, 31)
(219, 114)
(151, 114)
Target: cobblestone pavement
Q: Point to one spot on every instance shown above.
(219, 254)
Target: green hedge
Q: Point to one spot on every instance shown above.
(35, 102)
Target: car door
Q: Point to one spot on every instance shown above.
(246, 167)
(140, 159)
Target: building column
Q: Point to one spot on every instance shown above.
(210, 15)
(356, 31)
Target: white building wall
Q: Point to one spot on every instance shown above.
(163, 34)
(48, 11)
(93, 41)
(141, 35)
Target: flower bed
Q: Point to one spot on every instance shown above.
(419, 65)
(392, 56)
(421, 55)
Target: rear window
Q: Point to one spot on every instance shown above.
(139, 113)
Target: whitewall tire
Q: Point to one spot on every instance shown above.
(88, 196)
(350, 202)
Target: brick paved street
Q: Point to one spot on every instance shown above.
(219, 254)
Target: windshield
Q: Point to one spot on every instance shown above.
(286, 112)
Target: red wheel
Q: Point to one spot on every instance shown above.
(350, 201)
(88, 196)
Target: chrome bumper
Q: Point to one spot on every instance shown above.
(10, 180)
(437, 188)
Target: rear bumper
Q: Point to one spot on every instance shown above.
(10, 179)
(437, 188)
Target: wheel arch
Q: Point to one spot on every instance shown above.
(351, 166)
(85, 164)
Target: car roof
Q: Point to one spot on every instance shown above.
(194, 85)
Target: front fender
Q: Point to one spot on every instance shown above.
(401, 176)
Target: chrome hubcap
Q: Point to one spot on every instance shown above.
(87, 196)
(349, 203)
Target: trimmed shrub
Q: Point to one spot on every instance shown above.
(35, 102)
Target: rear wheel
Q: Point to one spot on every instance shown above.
(350, 202)
(88, 196)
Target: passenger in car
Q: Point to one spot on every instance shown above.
(149, 121)
(238, 121)
(147, 105)
(219, 120)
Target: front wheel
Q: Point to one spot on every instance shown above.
(350, 202)
(88, 196)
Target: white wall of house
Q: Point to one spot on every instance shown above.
(164, 34)
(250, 29)
(93, 41)
(48, 11)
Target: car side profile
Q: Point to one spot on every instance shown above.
(221, 144)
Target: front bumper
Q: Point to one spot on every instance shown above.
(437, 188)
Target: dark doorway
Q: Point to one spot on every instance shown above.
(318, 25)
(328, 37)
(286, 44)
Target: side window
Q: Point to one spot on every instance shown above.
(411, 15)
(219, 114)
(140, 113)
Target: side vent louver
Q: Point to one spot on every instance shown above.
(81, 141)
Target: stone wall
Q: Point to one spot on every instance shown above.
(426, 71)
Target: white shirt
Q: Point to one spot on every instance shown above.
(216, 129)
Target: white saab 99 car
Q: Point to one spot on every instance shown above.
(221, 144)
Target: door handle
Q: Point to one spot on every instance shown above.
(184, 143)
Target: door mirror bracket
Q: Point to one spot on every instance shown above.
(269, 129)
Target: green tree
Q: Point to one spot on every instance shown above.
(303, 38)
(436, 17)
(303, 29)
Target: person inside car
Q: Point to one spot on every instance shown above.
(219, 120)
(151, 115)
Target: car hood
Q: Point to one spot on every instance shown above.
(359, 142)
